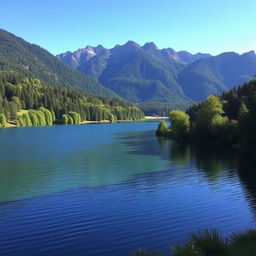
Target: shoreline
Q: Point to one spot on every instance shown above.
(147, 119)
(156, 118)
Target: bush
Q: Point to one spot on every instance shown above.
(244, 237)
(209, 242)
(162, 129)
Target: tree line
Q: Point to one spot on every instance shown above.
(228, 119)
(160, 108)
(22, 93)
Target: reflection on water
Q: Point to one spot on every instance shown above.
(111, 189)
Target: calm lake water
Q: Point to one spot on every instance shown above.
(94, 190)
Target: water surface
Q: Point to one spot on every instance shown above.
(111, 189)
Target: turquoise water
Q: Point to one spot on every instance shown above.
(111, 189)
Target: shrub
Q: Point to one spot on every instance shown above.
(162, 129)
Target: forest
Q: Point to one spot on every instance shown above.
(30, 102)
(160, 108)
(228, 119)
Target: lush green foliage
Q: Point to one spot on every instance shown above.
(32, 61)
(2, 120)
(41, 117)
(211, 243)
(209, 120)
(180, 125)
(51, 103)
(162, 129)
(227, 119)
(71, 118)
(236, 123)
(179, 129)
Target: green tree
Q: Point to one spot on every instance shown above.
(2, 120)
(21, 121)
(27, 120)
(180, 125)
(112, 118)
(70, 119)
(162, 129)
(48, 115)
(75, 116)
(64, 119)
(53, 116)
(33, 117)
(209, 120)
(41, 118)
(208, 111)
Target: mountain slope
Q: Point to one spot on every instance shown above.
(148, 74)
(217, 74)
(138, 74)
(31, 60)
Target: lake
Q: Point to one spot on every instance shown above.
(109, 189)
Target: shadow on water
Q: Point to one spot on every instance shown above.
(247, 173)
(212, 162)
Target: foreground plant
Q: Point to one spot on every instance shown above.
(212, 243)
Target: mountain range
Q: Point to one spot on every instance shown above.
(140, 74)
(148, 74)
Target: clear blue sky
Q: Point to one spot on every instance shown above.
(212, 26)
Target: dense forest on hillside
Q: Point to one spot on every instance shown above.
(228, 119)
(18, 93)
(31, 60)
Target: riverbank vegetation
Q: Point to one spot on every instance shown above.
(212, 243)
(227, 119)
(30, 102)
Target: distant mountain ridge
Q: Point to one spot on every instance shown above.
(217, 74)
(148, 74)
(136, 73)
(82, 55)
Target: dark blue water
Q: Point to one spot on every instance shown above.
(111, 189)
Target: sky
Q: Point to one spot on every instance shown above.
(211, 26)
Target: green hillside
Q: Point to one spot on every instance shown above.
(33, 61)
(20, 96)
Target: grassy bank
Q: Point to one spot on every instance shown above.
(212, 243)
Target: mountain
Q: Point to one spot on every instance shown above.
(136, 73)
(216, 74)
(148, 74)
(31, 60)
